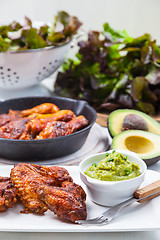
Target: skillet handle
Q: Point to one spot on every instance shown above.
(148, 190)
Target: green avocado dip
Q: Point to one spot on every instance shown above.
(114, 167)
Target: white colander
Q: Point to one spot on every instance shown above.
(27, 68)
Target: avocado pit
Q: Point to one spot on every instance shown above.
(134, 122)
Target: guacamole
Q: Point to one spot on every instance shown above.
(114, 167)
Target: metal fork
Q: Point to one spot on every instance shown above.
(107, 216)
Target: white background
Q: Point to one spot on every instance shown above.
(136, 16)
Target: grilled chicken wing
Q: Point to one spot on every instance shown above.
(36, 125)
(6, 118)
(28, 177)
(58, 128)
(44, 108)
(32, 129)
(13, 129)
(67, 202)
(40, 122)
(7, 194)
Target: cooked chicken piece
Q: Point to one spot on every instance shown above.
(7, 194)
(28, 177)
(62, 115)
(42, 109)
(67, 202)
(33, 128)
(78, 123)
(58, 128)
(13, 129)
(36, 125)
(6, 118)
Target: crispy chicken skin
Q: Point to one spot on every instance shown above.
(44, 108)
(13, 129)
(28, 177)
(62, 115)
(36, 125)
(11, 116)
(41, 188)
(67, 202)
(7, 194)
(58, 128)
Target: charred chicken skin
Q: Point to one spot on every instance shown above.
(36, 125)
(13, 129)
(27, 178)
(11, 116)
(41, 188)
(7, 194)
(58, 128)
(67, 202)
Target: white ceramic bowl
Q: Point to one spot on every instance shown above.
(110, 193)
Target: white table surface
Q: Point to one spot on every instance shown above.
(148, 235)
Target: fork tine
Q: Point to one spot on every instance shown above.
(108, 215)
(98, 220)
(93, 222)
(90, 220)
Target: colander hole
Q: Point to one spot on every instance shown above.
(2, 73)
(14, 73)
(9, 80)
(3, 77)
(9, 69)
(17, 77)
(56, 60)
(44, 67)
(50, 63)
(1, 67)
(8, 75)
(39, 73)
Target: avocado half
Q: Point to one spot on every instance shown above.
(116, 119)
(145, 144)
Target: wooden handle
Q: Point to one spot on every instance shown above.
(147, 190)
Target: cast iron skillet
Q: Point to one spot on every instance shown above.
(44, 149)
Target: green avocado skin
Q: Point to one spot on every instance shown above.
(110, 133)
(151, 161)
